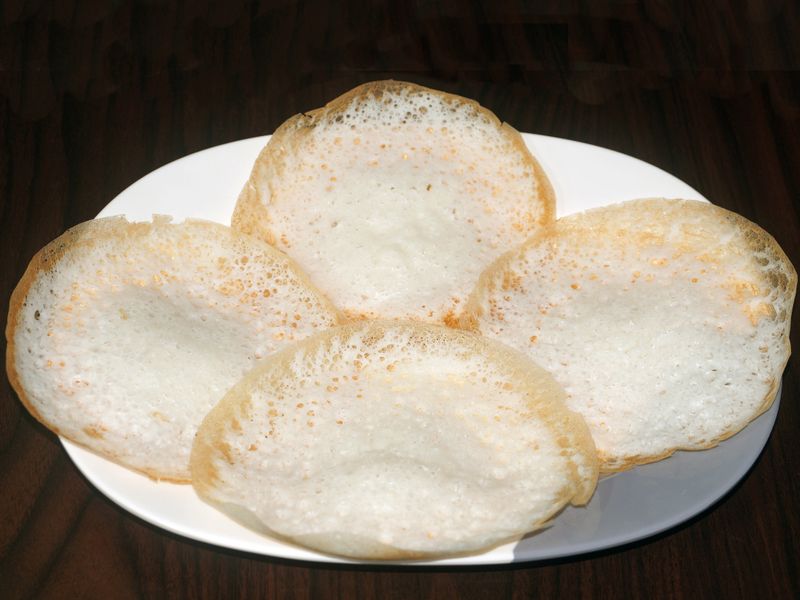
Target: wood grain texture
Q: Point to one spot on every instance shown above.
(94, 95)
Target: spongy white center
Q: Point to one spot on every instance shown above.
(396, 209)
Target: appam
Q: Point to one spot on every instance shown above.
(121, 336)
(666, 321)
(388, 440)
(394, 197)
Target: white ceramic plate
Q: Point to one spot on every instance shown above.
(626, 507)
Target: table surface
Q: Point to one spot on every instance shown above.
(95, 95)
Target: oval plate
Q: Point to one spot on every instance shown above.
(626, 507)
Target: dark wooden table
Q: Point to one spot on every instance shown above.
(94, 95)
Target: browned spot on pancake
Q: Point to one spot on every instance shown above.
(225, 450)
(450, 319)
(95, 431)
(511, 281)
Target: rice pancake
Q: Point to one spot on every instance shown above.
(121, 336)
(394, 197)
(666, 321)
(387, 440)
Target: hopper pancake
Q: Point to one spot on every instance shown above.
(386, 440)
(666, 321)
(394, 197)
(121, 336)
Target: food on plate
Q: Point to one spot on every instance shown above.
(492, 363)
(394, 197)
(666, 321)
(390, 440)
(121, 336)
